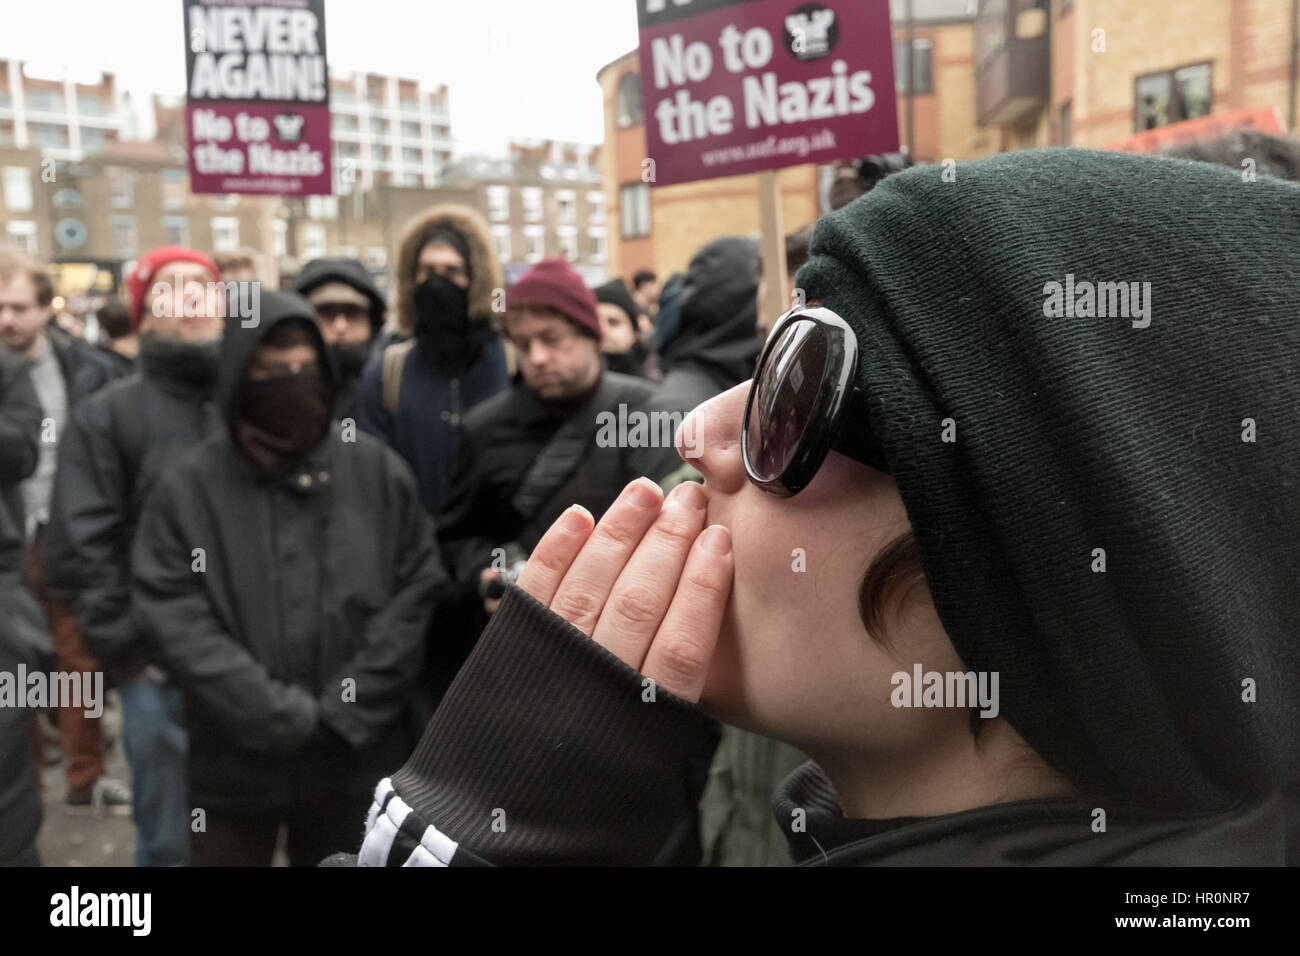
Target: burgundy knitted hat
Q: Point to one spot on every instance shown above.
(552, 283)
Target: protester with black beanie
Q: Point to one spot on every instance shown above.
(350, 310)
(1078, 494)
(621, 346)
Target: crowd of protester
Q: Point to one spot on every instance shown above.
(282, 536)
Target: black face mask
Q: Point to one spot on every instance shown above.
(446, 333)
(281, 418)
(350, 359)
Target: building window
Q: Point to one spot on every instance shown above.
(173, 189)
(532, 204)
(1172, 96)
(122, 236)
(1066, 110)
(599, 244)
(322, 207)
(225, 233)
(121, 187)
(627, 100)
(376, 258)
(23, 235)
(90, 104)
(313, 241)
(343, 123)
(634, 206)
(922, 77)
(498, 198)
(279, 237)
(595, 206)
(225, 201)
(44, 101)
(48, 135)
(566, 206)
(501, 236)
(568, 236)
(535, 243)
(18, 188)
(378, 126)
(415, 156)
(93, 140)
(176, 230)
(410, 130)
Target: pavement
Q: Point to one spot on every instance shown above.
(92, 839)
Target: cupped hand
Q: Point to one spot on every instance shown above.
(649, 583)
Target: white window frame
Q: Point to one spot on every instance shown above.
(534, 204)
(595, 206)
(566, 205)
(225, 233)
(22, 233)
(18, 188)
(312, 243)
(501, 236)
(176, 222)
(599, 236)
(124, 250)
(498, 198)
(534, 243)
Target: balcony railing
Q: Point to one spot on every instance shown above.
(1011, 60)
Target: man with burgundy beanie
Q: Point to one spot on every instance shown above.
(529, 453)
(117, 444)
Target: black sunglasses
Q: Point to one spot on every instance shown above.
(802, 398)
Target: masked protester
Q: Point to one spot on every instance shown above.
(117, 444)
(415, 392)
(298, 646)
(350, 311)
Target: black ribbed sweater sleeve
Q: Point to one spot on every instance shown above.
(549, 750)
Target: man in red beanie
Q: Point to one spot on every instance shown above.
(117, 444)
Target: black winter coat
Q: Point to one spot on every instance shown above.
(20, 423)
(716, 341)
(117, 444)
(300, 641)
(499, 440)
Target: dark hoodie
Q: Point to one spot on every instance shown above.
(350, 360)
(715, 344)
(298, 646)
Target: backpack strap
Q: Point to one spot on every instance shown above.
(394, 362)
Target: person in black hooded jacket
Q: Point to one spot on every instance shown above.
(714, 342)
(283, 575)
(20, 794)
(1044, 640)
(351, 314)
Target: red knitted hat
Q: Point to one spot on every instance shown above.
(552, 283)
(146, 268)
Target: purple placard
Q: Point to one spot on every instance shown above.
(737, 86)
(257, 112)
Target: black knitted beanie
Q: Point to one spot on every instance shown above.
(1103, 480)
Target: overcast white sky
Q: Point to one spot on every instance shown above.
(516, 68)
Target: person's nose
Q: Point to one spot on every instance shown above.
(709, 439)
(538, 354)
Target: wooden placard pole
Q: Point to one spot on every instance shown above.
(777, 299)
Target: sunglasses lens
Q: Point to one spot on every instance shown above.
(786, 398)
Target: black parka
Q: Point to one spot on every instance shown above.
(117, 443)
(298, 638)
(20, 422)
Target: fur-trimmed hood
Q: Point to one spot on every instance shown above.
(485, 271)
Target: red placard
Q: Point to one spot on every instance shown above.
(737, 86)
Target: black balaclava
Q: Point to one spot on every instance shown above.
(282, 418)
(446, 333)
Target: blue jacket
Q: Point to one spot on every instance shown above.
(425, 431)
